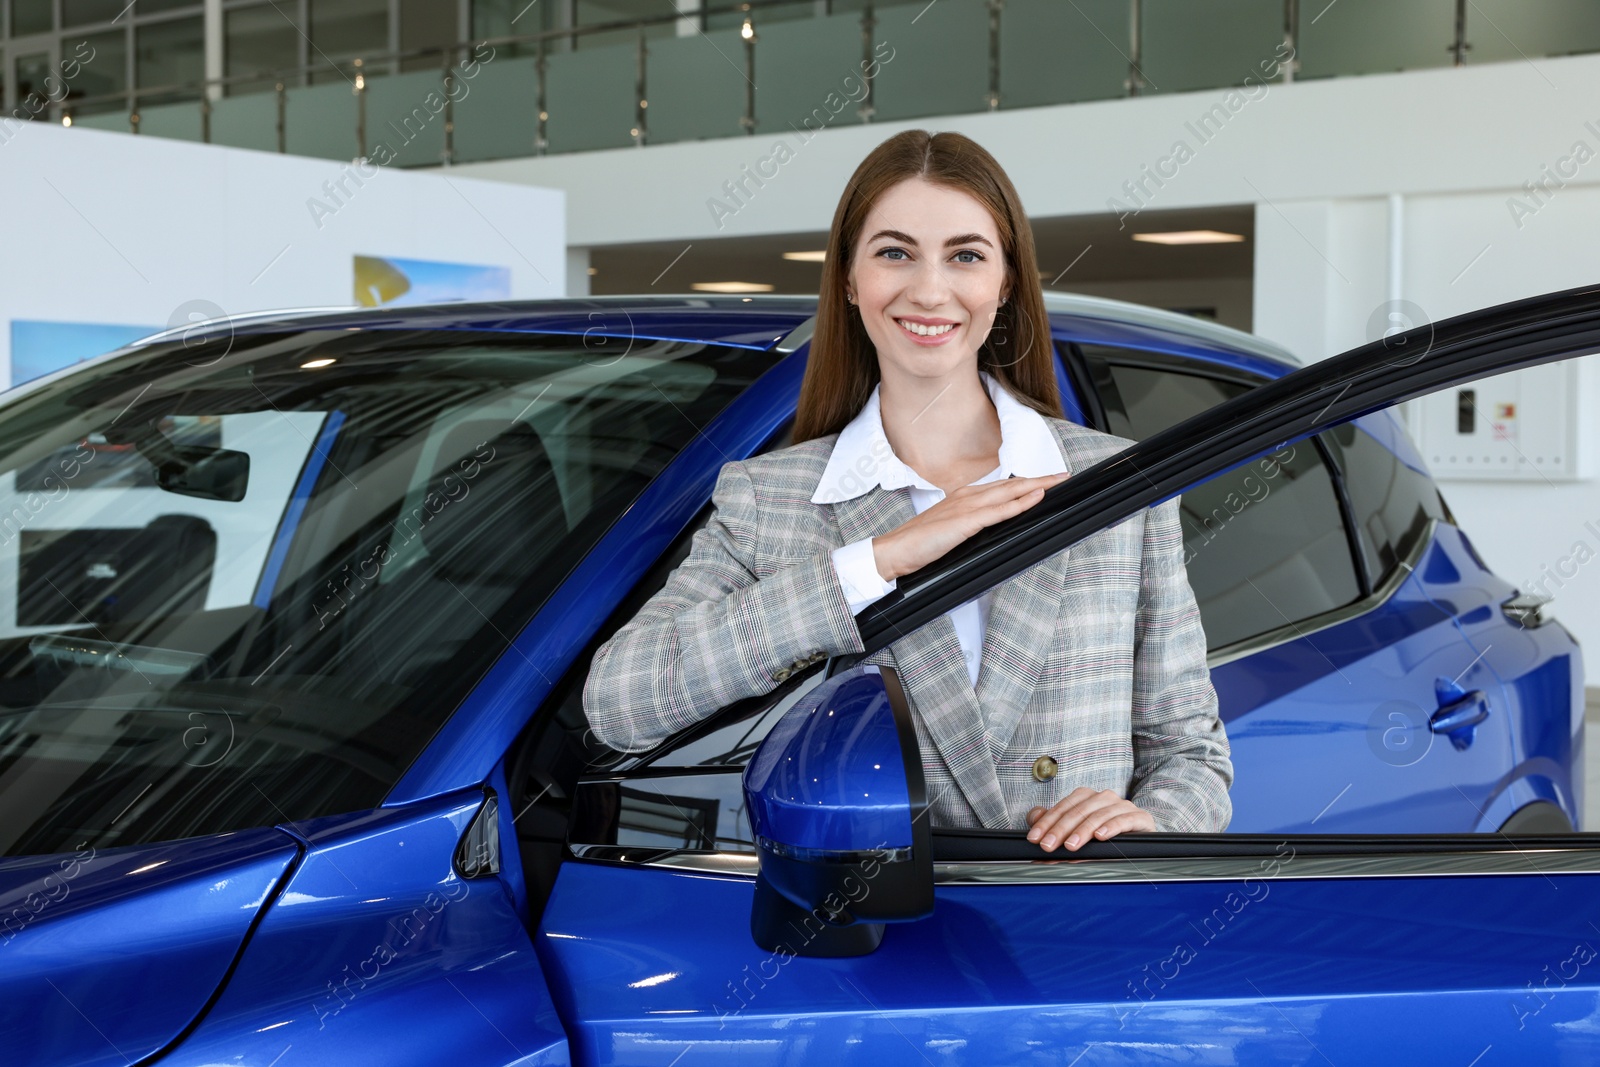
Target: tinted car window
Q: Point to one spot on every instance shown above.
(1265, 544)
(1143, 395)
(244, 588)
(1392, 502)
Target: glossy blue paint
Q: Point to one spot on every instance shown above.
(1088, 330)
(1539, 672)
(1329, 732)
(106, 956)
(1071, 403)
(375, 952)
(745, 327)
(298, 499)
(830, 776)
(1265, 970)
(477, 735)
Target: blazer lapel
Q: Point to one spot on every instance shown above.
(1024, 621)
(933, 670)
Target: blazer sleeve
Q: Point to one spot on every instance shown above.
(1181, 759)
(717, 632)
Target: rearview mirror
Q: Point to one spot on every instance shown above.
(212, 473)
(838, 808)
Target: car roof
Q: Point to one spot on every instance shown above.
(750, 321)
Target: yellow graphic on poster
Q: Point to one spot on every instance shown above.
(388, 281)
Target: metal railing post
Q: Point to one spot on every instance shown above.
(447, 78)
(541, 139)
(283, 108)
(868, 106)
(748, 32)
(995, 7)
(1460, 48)
(361, 111)
(1135, 82)
(640, 132)
(1291, 38)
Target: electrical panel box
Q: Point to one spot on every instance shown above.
(1533, 425)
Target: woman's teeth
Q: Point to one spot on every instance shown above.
(925, 331)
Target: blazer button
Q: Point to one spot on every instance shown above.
(1044, 769)
(781, 674)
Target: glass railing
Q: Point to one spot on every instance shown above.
(769, 66)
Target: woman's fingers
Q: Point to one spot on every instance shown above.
(1077, 817)
(932, 533)
(1137, 819)
(1060, 821)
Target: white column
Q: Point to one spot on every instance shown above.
(577, 272)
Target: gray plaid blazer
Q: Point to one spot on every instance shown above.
(1094, 656)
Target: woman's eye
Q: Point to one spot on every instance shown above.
(970, 252)
(886, 251)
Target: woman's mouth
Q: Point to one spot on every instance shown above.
(926, 335)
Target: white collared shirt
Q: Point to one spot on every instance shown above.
(863, 458)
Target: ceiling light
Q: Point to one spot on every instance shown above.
(732, 287)
(315, 363)
(1189, 237)
(594, 270)
(807, 257)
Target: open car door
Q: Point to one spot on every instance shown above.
(676, 935)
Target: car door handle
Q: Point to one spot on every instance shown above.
(1459, 713)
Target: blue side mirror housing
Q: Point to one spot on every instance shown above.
(838, 807)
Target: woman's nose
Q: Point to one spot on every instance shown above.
(929, 288)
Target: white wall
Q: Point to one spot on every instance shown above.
(1461, 251)
(115, 228)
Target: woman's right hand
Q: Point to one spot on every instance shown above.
(928, 536)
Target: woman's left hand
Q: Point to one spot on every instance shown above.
(1085, 813)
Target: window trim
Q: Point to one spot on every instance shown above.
(1347, 514)
(1313, 856)
(1293, 631)
(1368, 597)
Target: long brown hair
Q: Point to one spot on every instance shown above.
(842, 366)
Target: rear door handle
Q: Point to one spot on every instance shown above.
(1460, 711)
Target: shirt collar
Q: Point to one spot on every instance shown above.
(862, 457)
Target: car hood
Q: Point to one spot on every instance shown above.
(109, 955)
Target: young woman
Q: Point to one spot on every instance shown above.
(1072, 700)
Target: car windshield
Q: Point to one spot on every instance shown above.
(244, 587)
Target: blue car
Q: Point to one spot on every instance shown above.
(296, 611)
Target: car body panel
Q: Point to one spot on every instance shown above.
(373, 932)
(106, 956)
(1329, 732)
(1266, 970)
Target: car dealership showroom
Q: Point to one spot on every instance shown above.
(1136, 459)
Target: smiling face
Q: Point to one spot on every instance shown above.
(927, 273)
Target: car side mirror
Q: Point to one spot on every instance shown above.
(838, 808)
